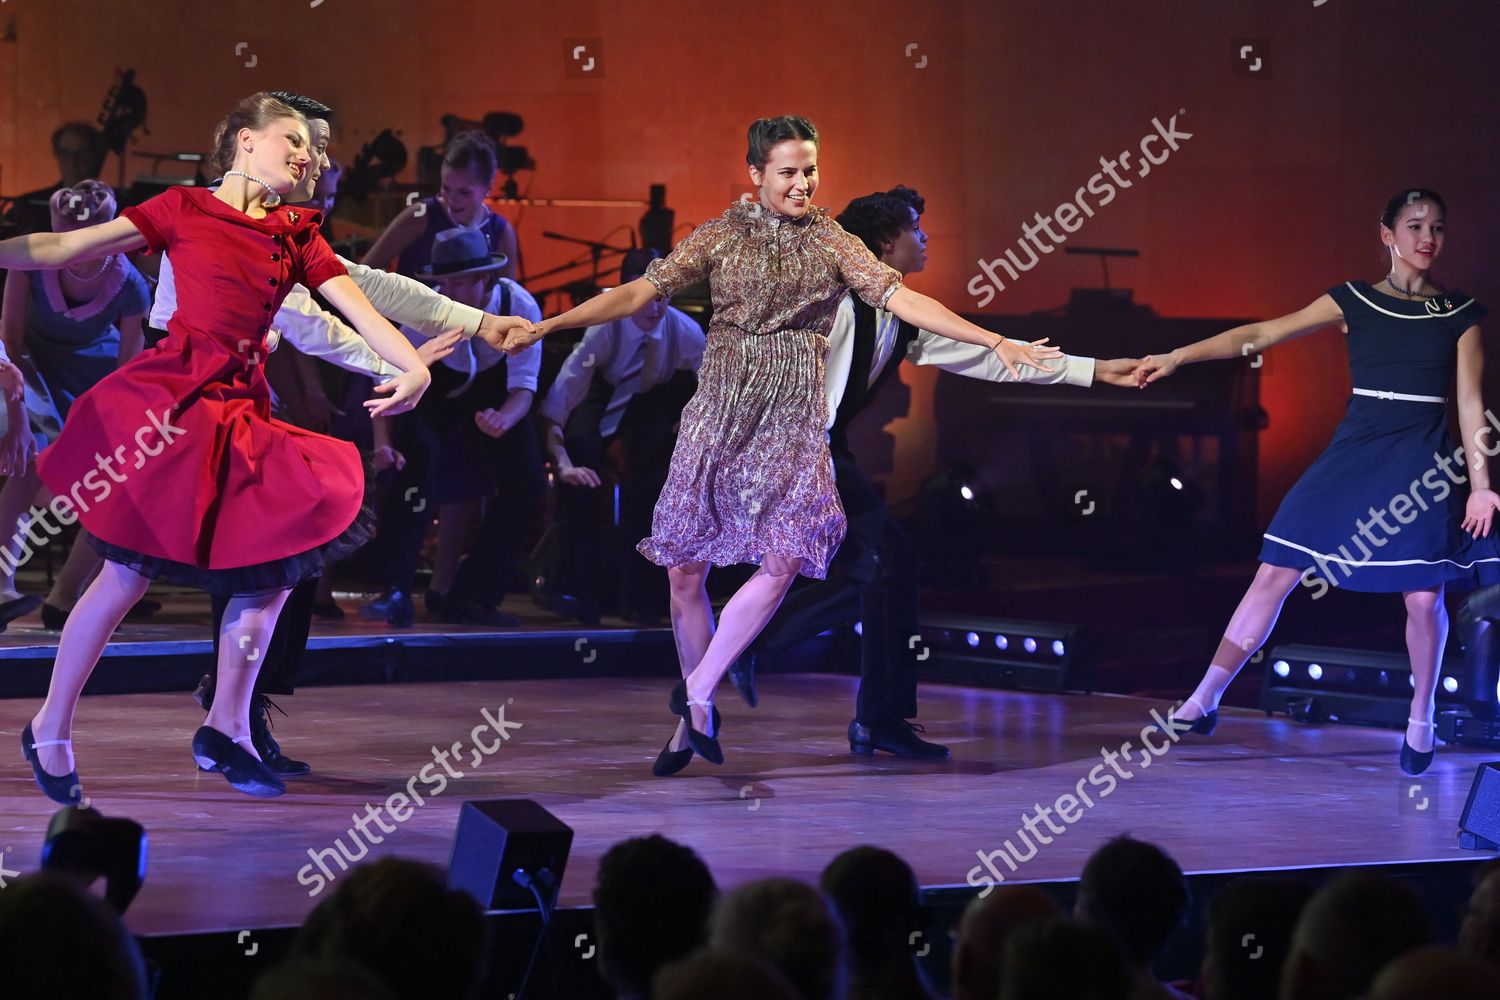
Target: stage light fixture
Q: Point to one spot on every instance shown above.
(1321, 683)
(997, 652)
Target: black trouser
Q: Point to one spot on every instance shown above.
(278, 670)
(875, 579)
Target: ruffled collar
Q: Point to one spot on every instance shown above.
(283, 218)
(753, 212)
(109, 287)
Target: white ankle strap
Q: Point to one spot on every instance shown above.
(51, 743)
(245, 739)
(705, 704)
(1419, 722)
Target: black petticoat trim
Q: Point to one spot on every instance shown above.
(259, 578)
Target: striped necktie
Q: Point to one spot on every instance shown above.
(625, 388)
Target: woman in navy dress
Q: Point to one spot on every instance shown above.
(1382, 510)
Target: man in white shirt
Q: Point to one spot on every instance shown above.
(618, 395)
(469, 440)
(876, 574)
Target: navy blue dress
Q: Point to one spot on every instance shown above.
(1380, 509)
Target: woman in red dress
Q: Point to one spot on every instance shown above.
(173, 462)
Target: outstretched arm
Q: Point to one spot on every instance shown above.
(613, 304)
(1252, 338)
(405, 389)
(50, 251)
(929, 314)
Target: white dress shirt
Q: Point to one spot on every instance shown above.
(315, 331)
(973, 360)
(674, 344)
(474, 355)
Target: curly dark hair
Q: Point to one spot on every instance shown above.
(880, 217)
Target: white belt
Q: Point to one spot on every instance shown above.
(1383, 394)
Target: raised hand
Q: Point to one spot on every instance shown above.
(1479, 511)
(403, 392)
(437, 348)
(1153, 368)
(1013, 353)
(1117, 371)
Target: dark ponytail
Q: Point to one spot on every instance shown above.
(1410, 196)
(767, 132)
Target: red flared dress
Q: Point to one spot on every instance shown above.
(172, 462)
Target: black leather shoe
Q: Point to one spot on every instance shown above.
(436, 602)
(53, 617)
(23, 605)
(703, 745)
(1413, 761)
(1203, 725)
(395, 606)
(266, 745)
(64, 789)
(894, 736)
(582, 607)
(216, 752)
(742, 676)
(203, 694)
(142, 610)
(670, 761)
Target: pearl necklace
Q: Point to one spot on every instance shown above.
(103, 266)
(272, 198)
(1390, 280)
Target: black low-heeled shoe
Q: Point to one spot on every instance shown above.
(670, 761)
(214, 751)
(1204, 725)
(64, 789)
(23, 605)
(703, 745)
(1412, 761)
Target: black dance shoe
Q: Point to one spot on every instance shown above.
(670, 761)
(1204, 725)
(216, 752)
(63, 789)
(703, 745)
(53, 617)
(266, 745)
(395, 606)
(142, 610)
(1413, 762)
(582, 607)
(742, 676)
(894, 736)
(23, 605)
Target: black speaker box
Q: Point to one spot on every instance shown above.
(495, 837)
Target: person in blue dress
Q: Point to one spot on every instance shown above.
(1384, 508)
(70, 327)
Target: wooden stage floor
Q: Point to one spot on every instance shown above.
(1261, 794)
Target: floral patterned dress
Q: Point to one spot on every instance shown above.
(751, 472)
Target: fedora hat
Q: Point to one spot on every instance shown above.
(460, 251)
